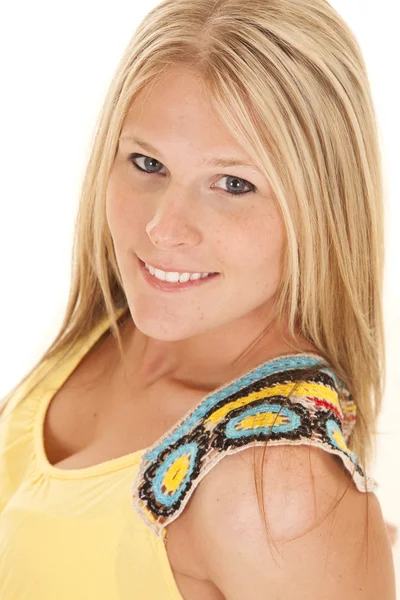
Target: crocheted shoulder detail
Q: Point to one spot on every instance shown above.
(258, 408)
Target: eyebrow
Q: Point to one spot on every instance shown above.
(213, 162)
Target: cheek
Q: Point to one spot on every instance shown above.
(118, 204)
(257, 243)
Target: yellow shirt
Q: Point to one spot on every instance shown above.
(98, 532)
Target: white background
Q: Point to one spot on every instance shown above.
(57, 60)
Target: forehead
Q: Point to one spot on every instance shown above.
(176, 108)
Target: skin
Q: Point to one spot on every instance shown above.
(324, 549)
(183, 215)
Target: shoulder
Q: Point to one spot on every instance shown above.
(291, 400)
(324, 538)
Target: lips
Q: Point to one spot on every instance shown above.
(167, 286)
(175, 269)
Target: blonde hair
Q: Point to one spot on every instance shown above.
(289, 82)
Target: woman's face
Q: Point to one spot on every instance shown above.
(187, 215)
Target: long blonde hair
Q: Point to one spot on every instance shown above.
(289, 82)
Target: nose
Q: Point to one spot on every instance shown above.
(174, 221)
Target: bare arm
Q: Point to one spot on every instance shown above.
(322, 552)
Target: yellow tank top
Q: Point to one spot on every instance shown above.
(99, 532)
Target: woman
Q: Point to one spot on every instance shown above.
(226, 303)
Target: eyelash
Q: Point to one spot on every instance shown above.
(142, 171)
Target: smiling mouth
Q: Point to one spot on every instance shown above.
(168, 286)
(173, 270)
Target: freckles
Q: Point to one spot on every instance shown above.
(121, 202)
(201, 315)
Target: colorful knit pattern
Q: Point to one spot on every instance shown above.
(256, 409)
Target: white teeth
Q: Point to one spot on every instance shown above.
(174, 277)
(159, 274)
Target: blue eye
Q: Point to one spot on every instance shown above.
(149, 162)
